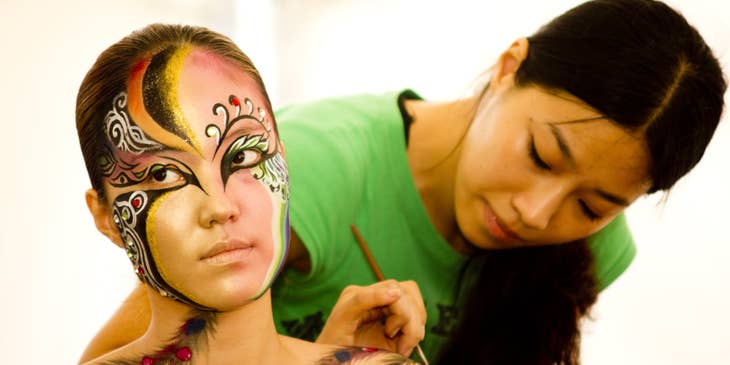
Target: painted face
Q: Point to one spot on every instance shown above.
(198, 185)
(539, 168)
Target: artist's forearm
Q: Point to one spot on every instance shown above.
(128, 323)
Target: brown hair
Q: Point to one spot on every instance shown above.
(108, 76)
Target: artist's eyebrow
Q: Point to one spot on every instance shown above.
(613, 198)
(567, 154)
(560, 138)
(562, 144)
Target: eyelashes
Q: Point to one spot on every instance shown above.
(542, 165)
(536, 159)
(165, 176)
(245, 152)
(587, 211)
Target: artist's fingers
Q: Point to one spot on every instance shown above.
(411, 334)
(364, 302)
(413, 292)
(357, 305)
(407, 320)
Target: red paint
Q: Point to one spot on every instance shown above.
(139, 67)
(184, 353)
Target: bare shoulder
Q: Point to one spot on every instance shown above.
(318, 354)
(363, 356)
(121, 356)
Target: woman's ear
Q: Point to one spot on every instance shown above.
(102, 217)
(508, 63)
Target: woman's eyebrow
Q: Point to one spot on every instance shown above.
(239, 129)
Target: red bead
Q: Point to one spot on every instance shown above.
(148, 361)
(136, 202)
(140, 270)
(235, 101)
(184, 353)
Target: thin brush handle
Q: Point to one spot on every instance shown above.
(378, 274)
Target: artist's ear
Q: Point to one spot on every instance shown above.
(503, 72)
(102, 217)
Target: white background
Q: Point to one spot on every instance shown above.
(61, 279)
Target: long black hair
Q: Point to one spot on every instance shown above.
(641, 65)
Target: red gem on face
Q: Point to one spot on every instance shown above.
(147, 361)
(184, 353)
(136, 202)
(235, 101)
(140, 270)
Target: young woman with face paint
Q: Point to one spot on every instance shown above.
(189, 178)
(506, 206)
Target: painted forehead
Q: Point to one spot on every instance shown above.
(148, 116)
(177, 80)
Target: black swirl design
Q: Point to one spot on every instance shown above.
(130, 213)
(213, 130)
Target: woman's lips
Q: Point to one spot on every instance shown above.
(226, 252)
(497, 229)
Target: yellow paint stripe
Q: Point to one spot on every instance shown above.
(152, 241)
(144, 120)
(171, 75)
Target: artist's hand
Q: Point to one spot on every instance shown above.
(388, 315)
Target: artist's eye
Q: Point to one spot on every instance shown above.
(535, 156)
(587, 211)
(245, 158)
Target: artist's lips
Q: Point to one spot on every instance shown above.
(227, 251)
(497, 229)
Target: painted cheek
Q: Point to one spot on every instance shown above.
(134, 214)
(264, 188)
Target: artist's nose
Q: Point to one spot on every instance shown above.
(538, 205)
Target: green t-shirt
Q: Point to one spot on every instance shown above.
(348, 165)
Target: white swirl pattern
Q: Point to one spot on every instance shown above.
(122, 134)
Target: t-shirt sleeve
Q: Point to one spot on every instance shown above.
(326, 178)
(613, 249)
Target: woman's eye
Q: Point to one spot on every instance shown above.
(166, 175)
(587, 211)
(536, 159)
(246, 158)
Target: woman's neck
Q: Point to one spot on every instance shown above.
(246, 333)
(434, 150)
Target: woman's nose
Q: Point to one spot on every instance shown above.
(538, 205)
(217, 208)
